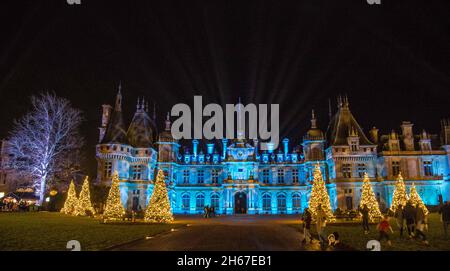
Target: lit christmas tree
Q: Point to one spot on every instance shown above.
(114, 209)
(158, 209)
(368, 198)
(71, 202)
(399, 196)
(84, 200)
(416, 200)
(319, 195)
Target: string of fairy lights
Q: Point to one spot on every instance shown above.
(159, 209)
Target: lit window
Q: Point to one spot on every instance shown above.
(427, 168)
(265, 176)
(200, 202)
(281, 202)
(200, 176)
(280, 175)
(186, 176)
(137, 172)
(215, 176)
(347, 170)
(395, 168)
(361, 170)
(185, 202)
(215, 201)
(295, 175)
(296, 202)
(266, 201)
(108, 169)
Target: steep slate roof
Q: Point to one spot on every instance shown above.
(115, 132)
(342, 124)
(140, 132)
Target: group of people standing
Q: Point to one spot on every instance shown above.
(409, 218)
(414, 219)
(209, 212)
(320, 226)
(14, 206)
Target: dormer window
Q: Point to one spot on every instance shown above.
(354, 146)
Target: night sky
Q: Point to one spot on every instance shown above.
(393, 60)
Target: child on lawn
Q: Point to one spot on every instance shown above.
(384, 227)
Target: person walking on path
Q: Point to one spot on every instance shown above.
(410, 216)
(400, 218)
(421, 224)
(384, 228)
(320, 226)
(445, 216)
(206, 213)
(307, 226)
(365, 218)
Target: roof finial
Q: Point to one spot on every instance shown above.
(138, 104)
(118, 105)
(240, 133)
(329, 109)
(339, 101)
(168, 122)
(154, 112)
(143, 103)
(346, 100)
(313, 120)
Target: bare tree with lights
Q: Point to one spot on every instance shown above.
(44, 138)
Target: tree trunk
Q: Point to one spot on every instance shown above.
(42, 190)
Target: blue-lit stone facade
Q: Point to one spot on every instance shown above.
(235, 177)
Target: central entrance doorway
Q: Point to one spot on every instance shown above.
(240, 203)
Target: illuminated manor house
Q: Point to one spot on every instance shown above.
(235, 177)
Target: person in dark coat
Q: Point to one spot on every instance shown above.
(399, 218)
(307, 218)
(421, 222)
(410, 217)
(206, 211)
(444, 211)
(365, 218)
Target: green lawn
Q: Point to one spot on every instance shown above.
(352, 235)
(51, 231)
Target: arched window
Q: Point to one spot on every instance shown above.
(296, 202)
(185, 202)
(281, 202)
(266, 202)
(215, 201)
(200, 201)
